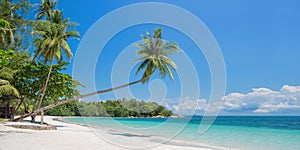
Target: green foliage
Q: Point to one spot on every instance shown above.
(6, 57)
(51, 35)
(23, 77)
(6, 74)
(51, 38)
(6, 34)
(45, 9)
(61, 86)
(6, 88)
(122, 108)
(68, 109)
(154, 52)
(16, 29)
(14, 11)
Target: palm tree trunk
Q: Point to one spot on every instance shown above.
(17, 106)
(46, 84)
(36, 102)
(44, 90)
(37, 98)
(25, 107)
(76, 98)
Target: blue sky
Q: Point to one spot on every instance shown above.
(259, 40)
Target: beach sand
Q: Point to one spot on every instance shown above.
(70, 136)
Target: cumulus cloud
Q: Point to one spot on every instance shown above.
(258, 101)
(264, 100)
(188, 106)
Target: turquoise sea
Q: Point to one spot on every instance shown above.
(259, 133)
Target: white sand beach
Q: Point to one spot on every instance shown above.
(72, 137)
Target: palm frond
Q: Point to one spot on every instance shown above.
(142, 58)
(6, 73)
(169, 72)
(51, 35)
(3, 82)
(154, 52)
(168, 61)
(8, 89)
(142, 66)
(73, 34)
(148, 72)
(67, 49)
(58, 54)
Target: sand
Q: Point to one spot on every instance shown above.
(77, 137)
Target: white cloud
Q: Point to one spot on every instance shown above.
(291, 89)
(258, 101)
(266, 108)
(264, 100)
(188, 106)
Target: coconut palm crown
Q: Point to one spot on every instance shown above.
(154, 55)
(45, 9)
(52, 37)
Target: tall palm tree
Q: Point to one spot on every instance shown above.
(45, 9)
(51, 42)
(153, 51)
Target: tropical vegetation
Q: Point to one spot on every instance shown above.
(33, 82)
(112, 108)
(123, 108)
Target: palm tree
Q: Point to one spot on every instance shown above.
(153, 51)
(51, 41)
(6, 34)
(45, 9)
(6, 89)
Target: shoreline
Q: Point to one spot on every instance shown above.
(69, 135)
(180, 143)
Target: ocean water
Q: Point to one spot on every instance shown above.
(249, 133)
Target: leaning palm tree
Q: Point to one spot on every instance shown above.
(51, 41)
(153, 51)
(45, 9)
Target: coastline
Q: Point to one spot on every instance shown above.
(77, 136)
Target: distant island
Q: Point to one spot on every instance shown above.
(112, 108)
